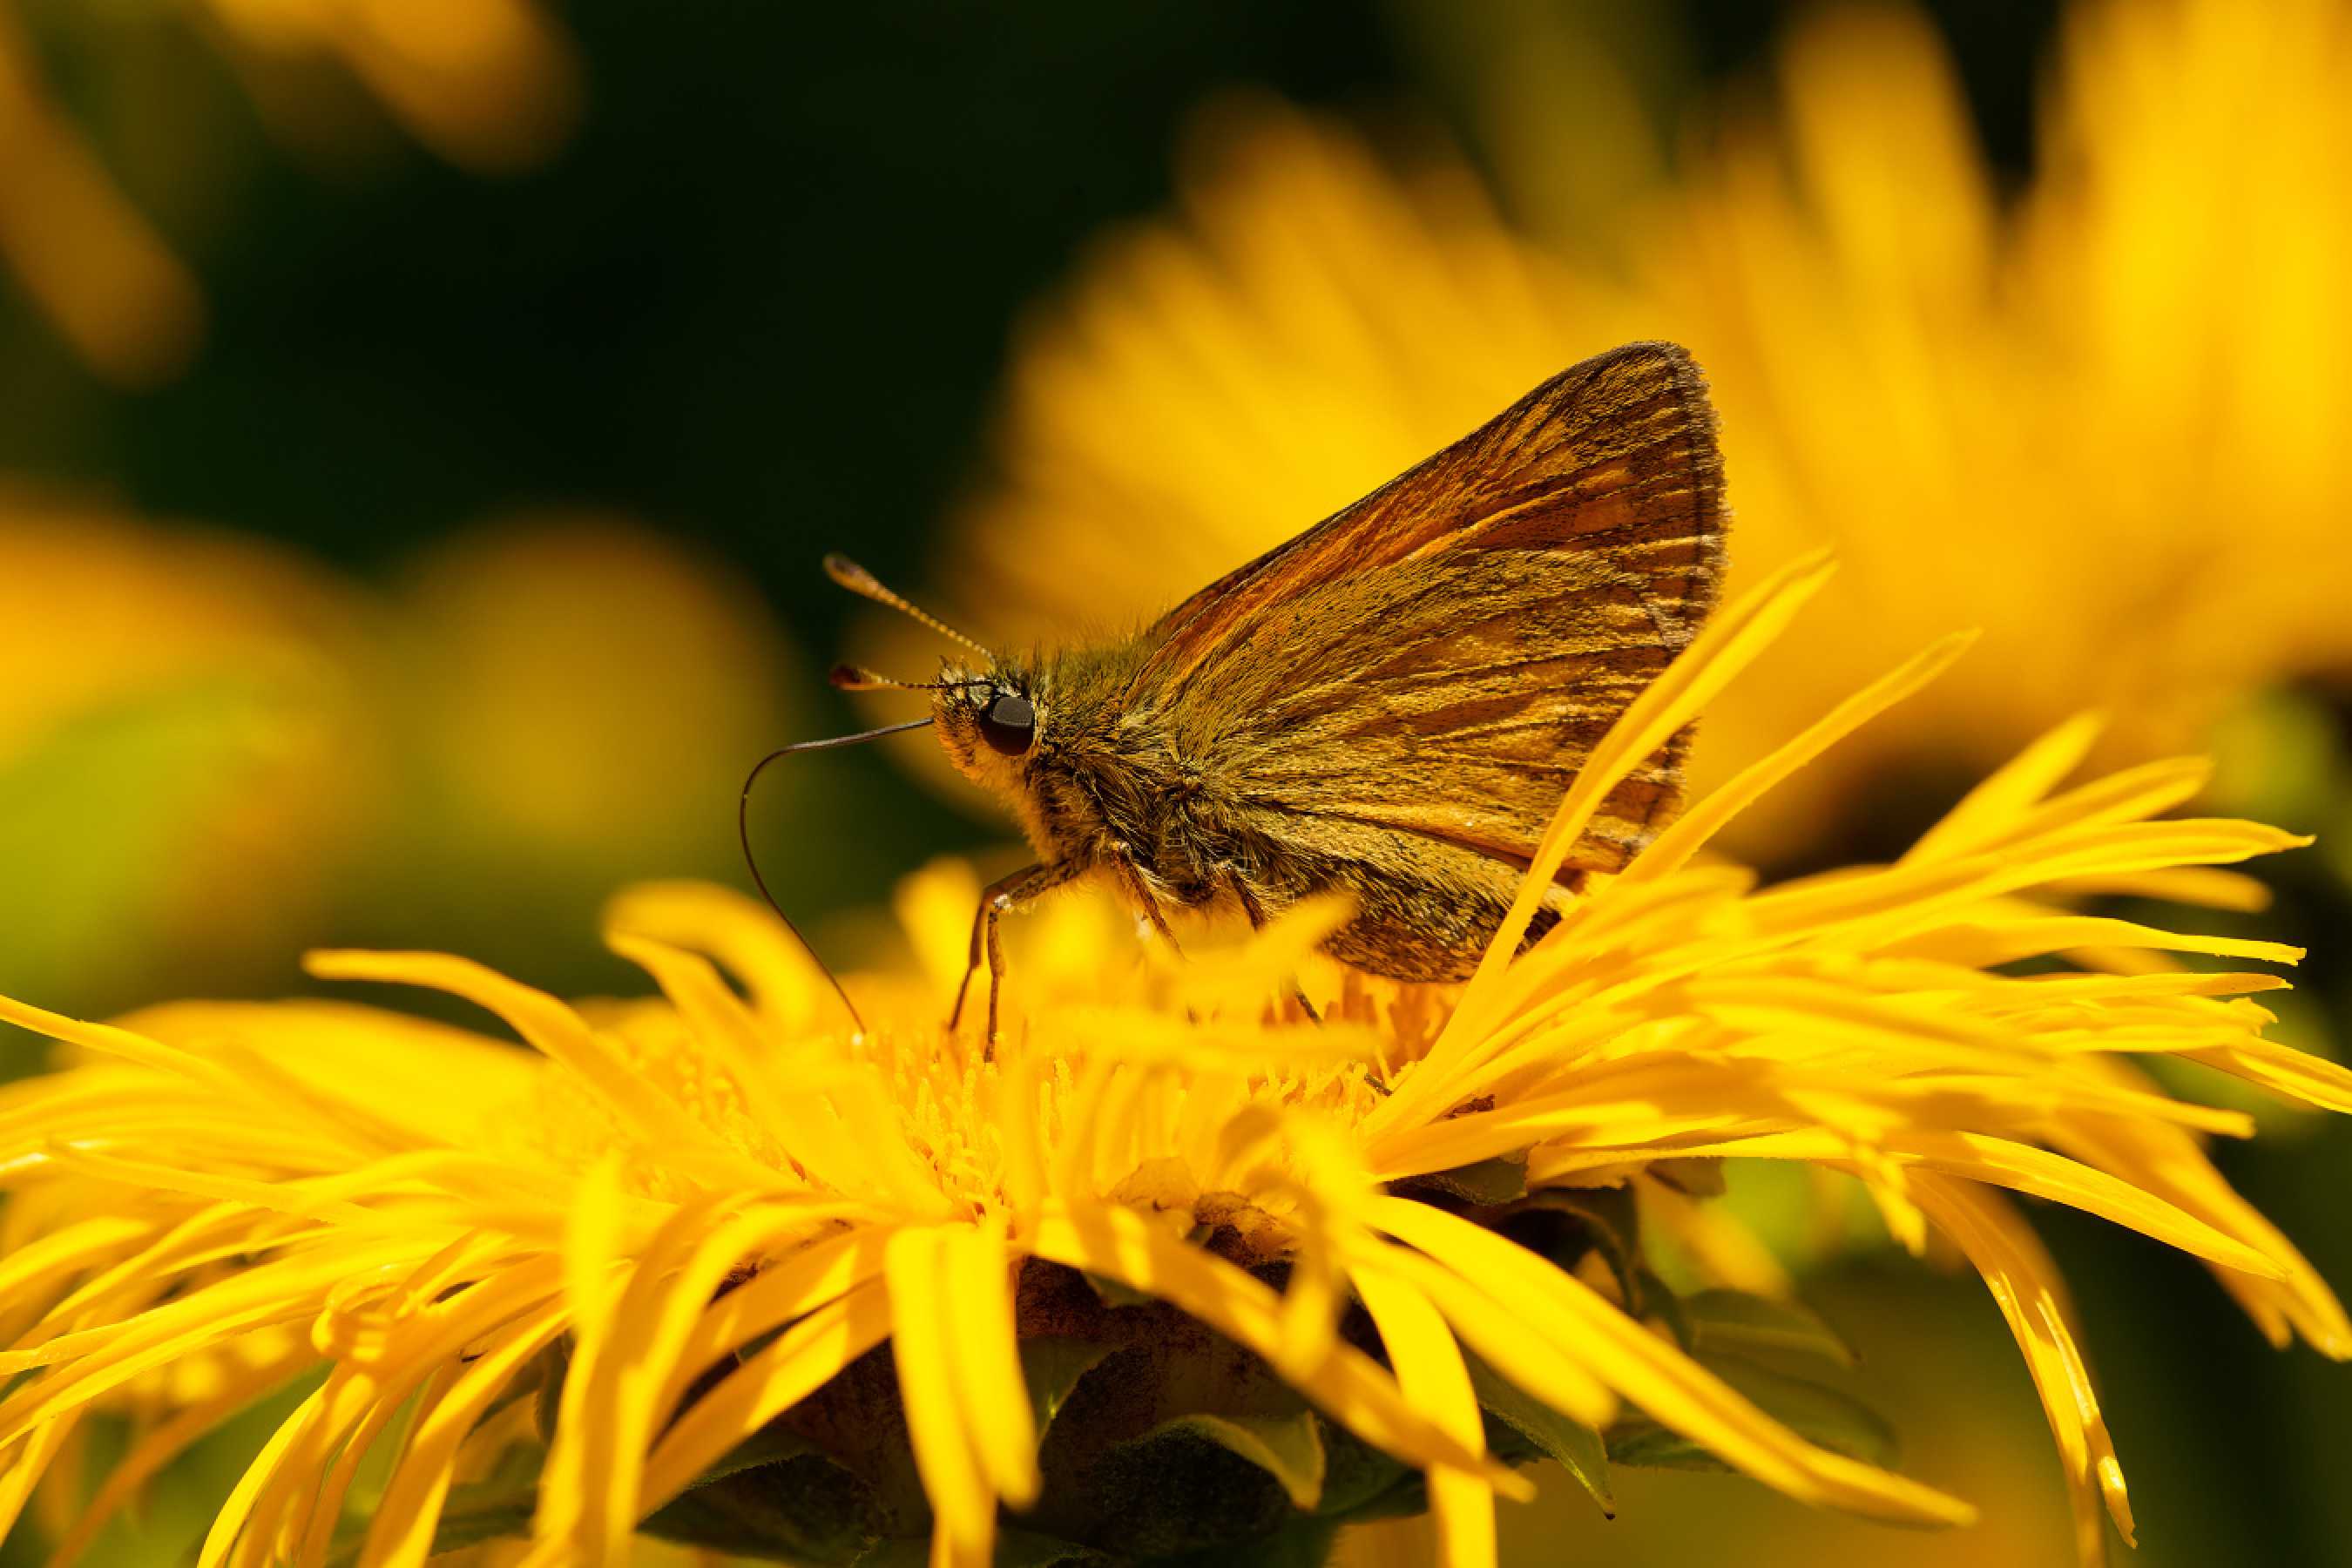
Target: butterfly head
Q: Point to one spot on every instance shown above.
(989, 719)
(989, 714)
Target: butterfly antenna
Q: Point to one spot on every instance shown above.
(743, 833)
(857, 678)
(859, 581)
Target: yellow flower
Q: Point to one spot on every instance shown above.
(644, 1274)
(2103, 422)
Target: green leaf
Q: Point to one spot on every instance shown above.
(1830, 1417)
(1733, 1321)
(1360, 1481)
(1052, 1366)
(1577, 1447)
(1287, 1447)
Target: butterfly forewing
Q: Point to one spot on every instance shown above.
(1438, 659)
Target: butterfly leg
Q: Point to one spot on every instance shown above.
(1257, 919)
(1131, 873)
(1006, 892)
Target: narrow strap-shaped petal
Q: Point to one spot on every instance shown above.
(922, 1332)
(1671, 850)
(801, 1359)
(1670, 1388)
(1429, 1370)
(985, 1355)
(785, 984)
(410, 1510)
(2025, 1284)
(596, 1273)
(1538, 1362)
(551, 1027)
(2005, 793)
(1348, 1385)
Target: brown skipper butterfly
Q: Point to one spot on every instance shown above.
(1390, 706)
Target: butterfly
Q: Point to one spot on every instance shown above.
(1389, 706)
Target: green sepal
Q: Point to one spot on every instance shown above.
(770, 1445)
(775, 1497)
(1303, 1544)
(1052, 1366)
(1287, 1447)
(1113, 1293)
(1733, 1322)
(1605, 1221)
(1026, 1549)
(1578, 1447)
(1653, 1298)
(1698, 1178)
(1828, 1417)
(1014, 1549)
(1201, 1483)
(1486, 1182)
(554, 1366)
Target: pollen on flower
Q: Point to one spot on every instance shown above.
(709, 1267)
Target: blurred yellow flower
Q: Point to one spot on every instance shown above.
(557, 674)
(643, 1275)
(2103, 422)
(212, 750)
(94, 266)
(491, 85)
(181, 745)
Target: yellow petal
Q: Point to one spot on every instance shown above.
(2026, 1286)
(1671, 850)
(922, 1340)
(778, 1376)
(1430, 1371)
(1670, 1388)
(1993, 805)
(986, 1357)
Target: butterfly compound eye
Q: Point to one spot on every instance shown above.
(1010, 724)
